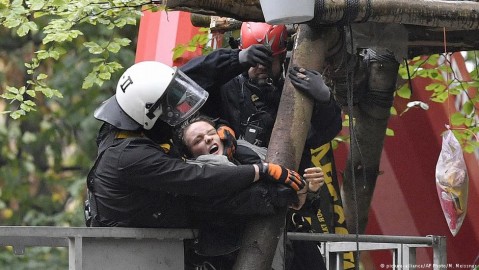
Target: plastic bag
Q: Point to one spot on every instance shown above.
(452, 182)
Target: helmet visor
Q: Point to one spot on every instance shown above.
(182, 98)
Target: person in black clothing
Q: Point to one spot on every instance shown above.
(139, 180)
(250, 105)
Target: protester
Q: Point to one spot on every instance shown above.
(203, 143)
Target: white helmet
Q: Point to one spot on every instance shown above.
(150, 90)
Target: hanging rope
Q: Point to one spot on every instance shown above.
(352, 134)
(447, 78)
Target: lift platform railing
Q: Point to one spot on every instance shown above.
(402, 247)
(145, 249)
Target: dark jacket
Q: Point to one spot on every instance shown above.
(245, 105)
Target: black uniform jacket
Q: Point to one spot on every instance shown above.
(138, 185)
(241, 100)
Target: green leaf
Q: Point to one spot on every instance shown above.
(42, 54)
(42, 76)
(17, 114)
(191, 48)
(31, 93)
(114, 47)
(393, 111)
(178, 52)
(89, 80)
(404, 91)
(93, 47)
(436, 87)
(23, 30)
(97, 60)
(122, 41)
(457, 119)
(104, 76)
(468, 107)
(434, 74)
(12, 89)
(389, 132)
(30, 103)
(469, 149)
(26, 107)
(440, 97)
(36, 4)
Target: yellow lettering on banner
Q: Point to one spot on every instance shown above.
(322, 221)
(328, 180)
(319, 153)
(316, 156)
(348, 265)
(348, 260)
(338, 209)
(340, 230)
(320, 216)
(308, 219)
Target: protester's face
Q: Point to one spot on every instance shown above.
(260, 74)
(201, 138)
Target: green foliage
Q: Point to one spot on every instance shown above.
(445, 83)
(57, 24)
(199, 41)
(47, 132)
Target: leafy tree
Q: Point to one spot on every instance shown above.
(50, 53)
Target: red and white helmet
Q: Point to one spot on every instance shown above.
(262, 33)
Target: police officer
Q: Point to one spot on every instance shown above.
(250, 101)
(137, 181)
(250, 105)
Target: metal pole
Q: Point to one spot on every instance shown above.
(427, 240)
(439, 252)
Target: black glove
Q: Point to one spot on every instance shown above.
(311, 83)
(280, 174)
(227, 136)
(256, 54)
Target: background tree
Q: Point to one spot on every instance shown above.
(47, 132)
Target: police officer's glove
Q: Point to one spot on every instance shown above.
(227, 136)
(311, 83)
(275, 172)
(256, 54)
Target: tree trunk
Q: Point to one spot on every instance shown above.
(450, 14)
(286, 146)
(371, 117)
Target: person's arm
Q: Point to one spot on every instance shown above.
(212, 70)
(215, 69)
(144, 164)
(326, 119)
(149, 167)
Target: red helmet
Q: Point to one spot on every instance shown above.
(262, 33)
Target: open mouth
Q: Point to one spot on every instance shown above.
(214, 148)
